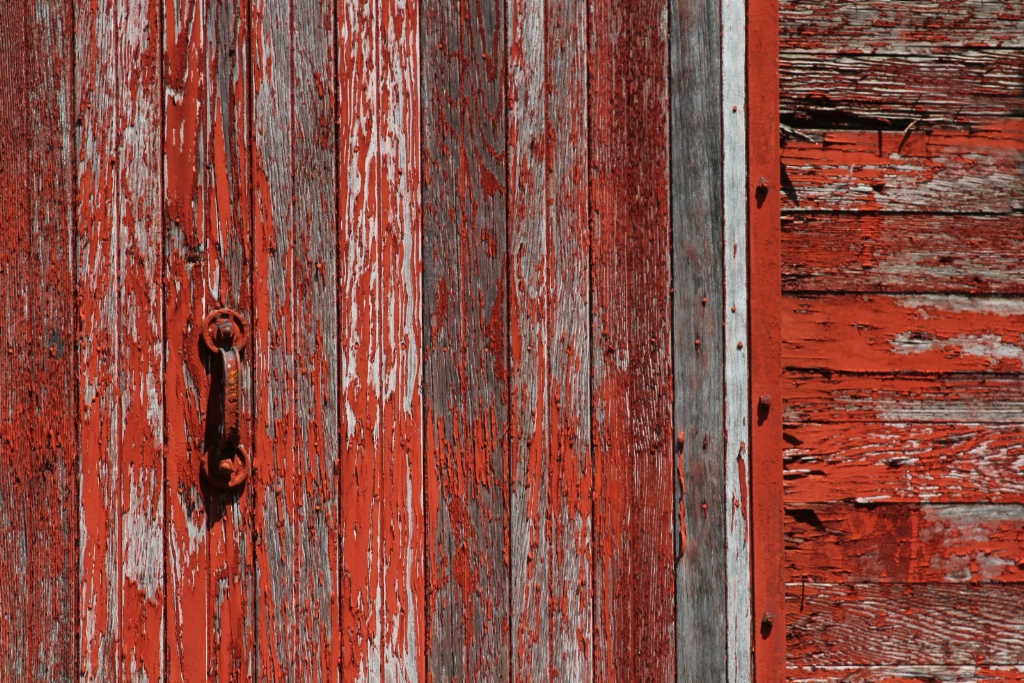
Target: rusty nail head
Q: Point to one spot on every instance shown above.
(765, 402)
(762, 184)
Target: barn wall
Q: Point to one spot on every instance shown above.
(903, 339)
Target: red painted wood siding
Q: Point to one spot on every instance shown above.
(902, 159)
(480, 248)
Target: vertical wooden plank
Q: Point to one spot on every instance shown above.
(765, 300)
(314, 274)
(529, 332)
(119, 263)
(699, 353)
(275, 473)
(208, 252)
(737, 371)
(401, 304)
(360, 338)
(465, 340)
(632, 363)
(570, 518)
(15, 372)
(141, 356)
(38, 432)
(98, 280)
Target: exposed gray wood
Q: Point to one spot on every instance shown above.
(699, 245)
(530, 331)
(737, 343)
(903, 253)
(465, 380)
(905, 624)
(924, 171)
(971, 86)
(904, 543)
(942, 463)
(900, 26)
(38, 440)
(569, 346)
(892, 398)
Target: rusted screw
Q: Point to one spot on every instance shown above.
(765, 402)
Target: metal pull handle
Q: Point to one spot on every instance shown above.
(228, 464)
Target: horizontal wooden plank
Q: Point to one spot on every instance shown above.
(905, 543)
(918, 333)
(969, 87)
(905, 463)
(902, 253)
(899, 26)
(905, 674)
(944, 171)
(894, 398)
(881, 624)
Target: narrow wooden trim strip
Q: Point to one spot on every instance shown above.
(765, 339)
(737, 372)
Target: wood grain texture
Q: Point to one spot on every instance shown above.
(906, 674)
(207, 265)
(902, 253)
(699, 353)
(900, 26)
(763, 185)
(892, 398)
(904, 463)
(571, 469)
(466, 354)
(295, 236)
(401, 309)
(905, 624)
(970, 87)
(119, 269)
(903, 543)
(632, 357)
(39, 514)
(737, 342)
(942, 171)
(359, 290)
(529, 382)
(926, 333)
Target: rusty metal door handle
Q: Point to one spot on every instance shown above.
(227, 465)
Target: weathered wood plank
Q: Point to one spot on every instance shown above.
(314, 272)
(141, 361)
(893, 398)
(906, 674)
(208, 252)
(900, 26)
(765, 292)
(904, 463)
(119, 259)
(969, 87)
(401, 305)
(737, 342)
(571, 576)
(39, 514)
(926, 171)
(921, 333)
(698, 354)
(529, 325)
(905, 624)
(98, 282)
(275, 476)
(632, 358)
(360, 339)
(466, 340)
(843, 543)
(902, 253)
